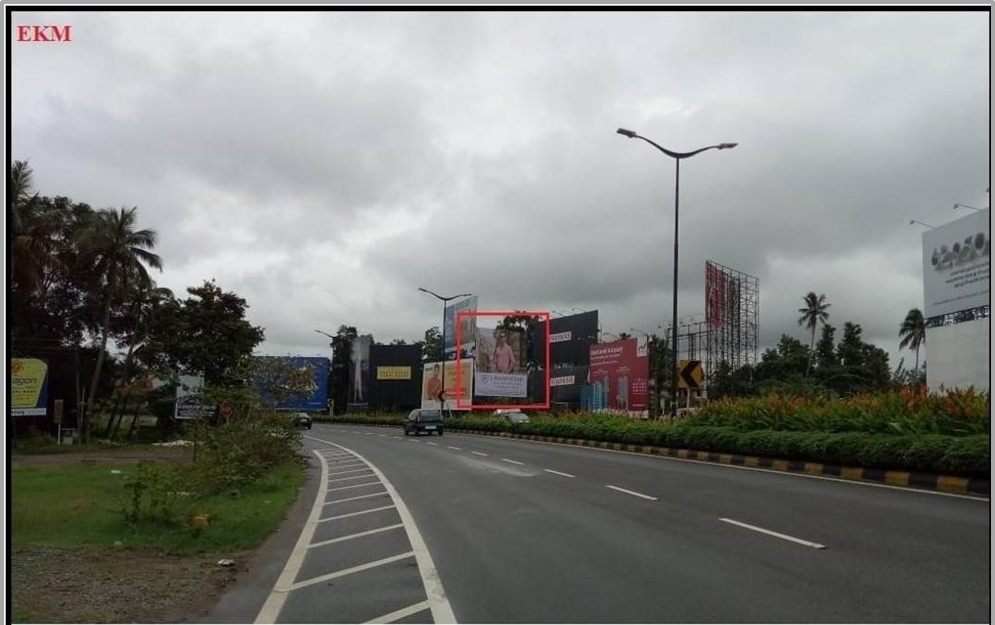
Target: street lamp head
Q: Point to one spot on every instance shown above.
(423, 290)
(727, 146)
(627, 133)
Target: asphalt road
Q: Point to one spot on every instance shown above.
(534, 532)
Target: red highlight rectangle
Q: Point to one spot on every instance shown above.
(498, 313)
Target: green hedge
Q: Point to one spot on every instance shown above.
(936, 453)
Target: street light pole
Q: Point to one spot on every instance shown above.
(445, 300)
(677, 156)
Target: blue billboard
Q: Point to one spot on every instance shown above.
(300, 382)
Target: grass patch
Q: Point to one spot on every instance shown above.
(75, 506)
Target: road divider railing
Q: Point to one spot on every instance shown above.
(900, 461)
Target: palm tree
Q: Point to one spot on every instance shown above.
(119, 254)
(35, 228)
(814, 313)
(913, 334)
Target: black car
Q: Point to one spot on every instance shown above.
(302, 420)
(423, 421)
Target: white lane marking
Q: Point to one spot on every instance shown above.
(353, 486)
(343, 516)
(328, 503)
(776, 534)
(456, 448)
(357, 477)
(558, 473)
(274, 602)
(382, 435)
(631, 492)
(435, 444)
(355, 569)
(357, 535)
(512, 461)
(442, 612)
(399, 614)
(344, 472)
(827, 478)
(413, 440)
(479, 453)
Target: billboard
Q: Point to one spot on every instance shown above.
(570, 339)
(956, 265)
(397, 383)
(619, 376)
(432, 382)
(298, 382)
(467, 329)
(188, 402)
(359, 373)
(499, 363)
(28, 387)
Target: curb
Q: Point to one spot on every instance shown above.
(906, 479)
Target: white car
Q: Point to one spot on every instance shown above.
(515, 416)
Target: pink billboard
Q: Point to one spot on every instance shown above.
(619, 376)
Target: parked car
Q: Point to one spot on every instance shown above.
(515, 416)
(419, 421)
(302, 420)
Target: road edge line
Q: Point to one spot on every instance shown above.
(278, 595)
(442, 611)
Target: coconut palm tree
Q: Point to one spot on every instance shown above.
(813, 313)
(119, 254)
(36, 226)
(913, 334)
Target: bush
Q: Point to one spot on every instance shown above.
(155, 494)
(727, 429)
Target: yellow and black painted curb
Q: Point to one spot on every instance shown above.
(907, 479)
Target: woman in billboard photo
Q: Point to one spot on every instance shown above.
(504, 356)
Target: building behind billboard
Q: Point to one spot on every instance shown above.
(395, 382)
(957, 302)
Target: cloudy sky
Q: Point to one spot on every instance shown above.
(324, 165)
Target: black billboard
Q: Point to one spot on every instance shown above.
(570, 339)
(395, 377)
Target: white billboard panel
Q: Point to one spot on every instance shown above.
(956, 265)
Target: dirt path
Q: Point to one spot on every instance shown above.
(120, 586)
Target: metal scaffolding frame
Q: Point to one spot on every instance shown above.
(732, 314)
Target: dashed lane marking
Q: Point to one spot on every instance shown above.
(631, 492)
(775, 534)
(558, 473)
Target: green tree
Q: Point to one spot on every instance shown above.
(825, 349)
(36, 225)
(431, 349)
(913, 333)
(815, 311)
(205, 333)
(119, 254)
(850, 350)
(341, 357)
